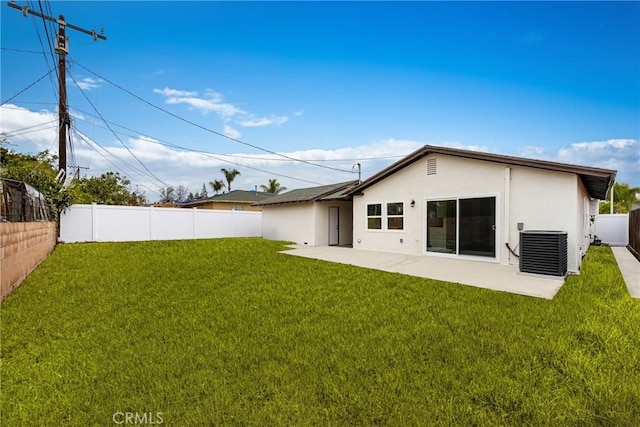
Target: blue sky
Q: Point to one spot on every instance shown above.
(333, 83)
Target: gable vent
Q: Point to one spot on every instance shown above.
(432, 167)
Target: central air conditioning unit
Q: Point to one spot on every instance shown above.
(543, 252)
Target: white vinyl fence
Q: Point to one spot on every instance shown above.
(612, 229)
(101, 223)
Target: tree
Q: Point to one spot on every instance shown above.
(40, 172)
(273, 187)
(217, 185)
(108, 189)
(624, 196)
(167, 195)
(229, 175)
(203, 192)
(181, 193)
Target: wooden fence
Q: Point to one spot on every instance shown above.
(634, 230)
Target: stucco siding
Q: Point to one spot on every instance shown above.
(345, 232)
(454, 177)
(540, 199)
(545, 200)
(292, 222)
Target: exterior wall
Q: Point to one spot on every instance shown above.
(455, 177)
(293, 222)
(547, 200)
(24, 246)
(345, 230)
(542, 200)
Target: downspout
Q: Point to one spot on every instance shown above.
(507, 211)
(613, 184)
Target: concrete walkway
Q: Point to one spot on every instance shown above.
(630, 268)
(480, 274)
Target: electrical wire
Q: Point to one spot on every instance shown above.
(28, 129)
(215, 157)
(170, 144)
(27, 88)
(114, 133)
(90, 143)
(206, 128)
(19, 50)
(46, 59)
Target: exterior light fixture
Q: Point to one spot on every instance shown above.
(413, 203)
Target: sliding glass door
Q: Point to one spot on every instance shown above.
(462, 226)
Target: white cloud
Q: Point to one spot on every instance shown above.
(622, 155)
(173, 92)
(263, 121)
(191, 169)
(231, 132)
(89, 83)
(212, 101)
(29, 130)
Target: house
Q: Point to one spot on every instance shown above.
(236, 200)
(445, 202)
(316, 216)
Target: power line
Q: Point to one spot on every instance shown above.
(90, 143)
(114, 133)
(20, 50)
(27, 129)
(28, 87)
(210, 155)
(206, 128)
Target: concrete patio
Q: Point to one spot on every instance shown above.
(488, 275)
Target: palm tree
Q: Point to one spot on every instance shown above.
(216, 185)
(229, 175)
(273, 187)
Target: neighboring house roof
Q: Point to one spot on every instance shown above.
(234, 196)
(323, 192)
(597, 181)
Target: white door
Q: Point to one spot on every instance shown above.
(334, 225)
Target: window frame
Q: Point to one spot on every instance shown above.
(380, 217)
(394, 216)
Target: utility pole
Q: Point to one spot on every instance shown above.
(359, 167)
(61, 47)
(77, 168)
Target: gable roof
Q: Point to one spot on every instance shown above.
(323, 192)
(234, 196)
(597, 181)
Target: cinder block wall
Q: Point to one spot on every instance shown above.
(23, 246)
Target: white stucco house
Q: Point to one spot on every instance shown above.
(316, 216)
(445, 202)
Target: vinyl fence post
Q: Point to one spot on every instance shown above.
(193, 218)
(150, 222)
(94, 222)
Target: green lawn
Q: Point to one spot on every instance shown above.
(229, 332)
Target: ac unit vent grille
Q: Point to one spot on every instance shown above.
(432, 167)
(543, 252)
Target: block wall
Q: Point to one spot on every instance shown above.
(23, 245)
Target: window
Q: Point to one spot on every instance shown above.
(395, 216)
(374, 216)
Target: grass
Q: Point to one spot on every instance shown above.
(229, 332)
